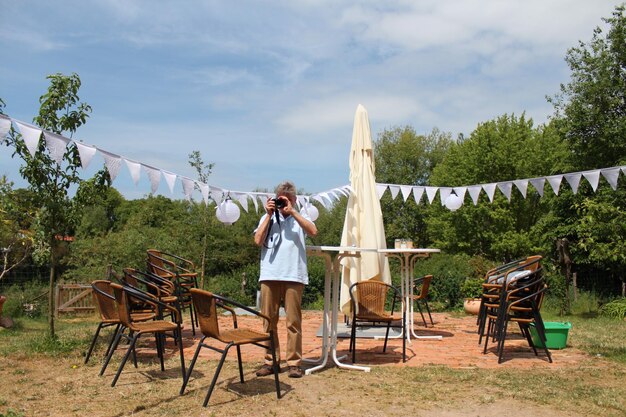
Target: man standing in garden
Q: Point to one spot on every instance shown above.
(281, 234)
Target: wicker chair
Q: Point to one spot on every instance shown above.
(206, 305)
(423, 284)
(136, 329)
(520, 303)
(368, 299)
(500, 278)
(179, 271)
(105, 304)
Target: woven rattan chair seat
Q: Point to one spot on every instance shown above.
(154, 326)
(241, 336)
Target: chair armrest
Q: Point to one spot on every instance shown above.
(99, 291)
(146, 297)
(234, 303)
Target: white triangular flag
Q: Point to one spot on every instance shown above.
(418, 192)
(112, 162)
(134, 168)
(255, 202)
(56, 144)
(538, 183)
(611, 175)
(188, 186)
(380, 190)
(31, 135)
(522, 186)
(444, 193)
(505, 188)
(406, 191)
(154, 175)
(573, 180)
(555, 182)
(217, 194)
(395, 189)
(490, 189)
(474, 192)
(86, 153)
(430, 193)
(5, 126)
(460, 192)
(170, 179)
(593, 177)
(243, 200)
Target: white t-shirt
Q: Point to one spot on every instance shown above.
(283, 254)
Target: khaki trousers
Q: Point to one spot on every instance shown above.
(272, 294)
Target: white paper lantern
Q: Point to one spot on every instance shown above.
(227, 212)
(312, 211)
(453, 202)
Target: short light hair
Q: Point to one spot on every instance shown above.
(286, 188)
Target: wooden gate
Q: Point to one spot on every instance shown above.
(73, 298)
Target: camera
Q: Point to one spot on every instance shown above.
(280, 203)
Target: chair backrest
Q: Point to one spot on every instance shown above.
(532, 262)
(159, 266)
(121, 301)
(206, 309)
(105, 304)
(369, 297)
(425, 285)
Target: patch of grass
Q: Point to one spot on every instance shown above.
(12, 413)
(30, 336)
(598, 336)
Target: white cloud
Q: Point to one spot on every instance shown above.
(253, 83)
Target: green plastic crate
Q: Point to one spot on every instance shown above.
(556, 334)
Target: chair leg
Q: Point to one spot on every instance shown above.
(93, 342)
(158, 337)
(353, 340)
(501, 341)
(217, 372)
(240, 365)
(118, 328)
(489, 326)
(419, 308)
(116, 342)
(275, 365)
(524, 329)
(429, 315)
(180, 350)
(542, 334)
(387, 336)
(191, 365)
(130, 348)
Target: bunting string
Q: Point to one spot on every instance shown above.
(57, 145)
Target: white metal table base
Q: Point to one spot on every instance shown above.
(331, 300)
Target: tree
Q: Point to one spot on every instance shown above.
(591, 108)
(404, 157)
(60, 112)
(590, 114)
(503, 149)
(204, 171)
(16, 237)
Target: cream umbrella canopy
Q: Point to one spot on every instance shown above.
(363, 225)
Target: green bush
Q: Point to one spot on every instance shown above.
(615, 309)
(449, 272)
(472, 287)
(29, 299)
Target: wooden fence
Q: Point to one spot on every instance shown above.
(73, 298)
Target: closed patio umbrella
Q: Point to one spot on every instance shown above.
(363, 225)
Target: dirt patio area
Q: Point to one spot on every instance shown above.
(458, 347)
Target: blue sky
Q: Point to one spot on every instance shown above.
(267, 90)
